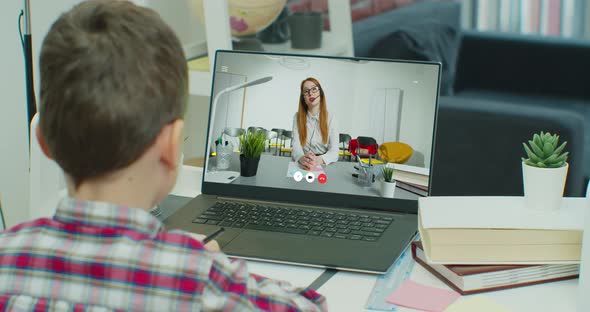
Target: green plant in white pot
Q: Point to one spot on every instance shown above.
(544, 172)
(387, 182)
(253, 144)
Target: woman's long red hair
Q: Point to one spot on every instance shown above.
(302, 114)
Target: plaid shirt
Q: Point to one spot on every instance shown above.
(98, 256)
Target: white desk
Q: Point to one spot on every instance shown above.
(349, 291)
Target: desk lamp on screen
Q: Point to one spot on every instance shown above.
(225, 176)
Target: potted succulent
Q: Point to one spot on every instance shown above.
(387, 182)
(544, 172)
(253, 144)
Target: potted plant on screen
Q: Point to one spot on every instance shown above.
(544, 172)
(253, 144)
(387, 182)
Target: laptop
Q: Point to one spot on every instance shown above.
(334, 215)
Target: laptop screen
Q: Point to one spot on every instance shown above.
(311, 129)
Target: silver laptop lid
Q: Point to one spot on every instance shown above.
(357, 115)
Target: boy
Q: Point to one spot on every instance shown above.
(113, 92)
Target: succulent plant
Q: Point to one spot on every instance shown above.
(253, 143)
(387, 173)
(543, 151)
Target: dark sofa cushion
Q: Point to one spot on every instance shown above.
(524, 64)
(425, 31)
(530, 102)
(478, 146)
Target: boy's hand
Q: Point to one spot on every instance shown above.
(211, 245)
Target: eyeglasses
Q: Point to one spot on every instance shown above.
(313, 90)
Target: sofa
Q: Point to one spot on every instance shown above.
(497, 90)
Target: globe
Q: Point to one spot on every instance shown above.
(247, 17)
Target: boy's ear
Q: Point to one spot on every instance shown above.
(42, 143)
(171, 147)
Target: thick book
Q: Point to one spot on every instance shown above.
(499, 230)
(414, 188)
(411, 174)
(472, 279)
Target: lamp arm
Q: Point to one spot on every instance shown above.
(214, 106)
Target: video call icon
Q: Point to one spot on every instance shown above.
(298, 176)
(309, 177)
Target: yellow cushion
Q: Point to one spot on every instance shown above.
(395, 152)
(286, 149)
(344, 153)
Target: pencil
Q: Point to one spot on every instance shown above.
(213, 235)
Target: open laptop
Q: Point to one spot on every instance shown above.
(333, 219)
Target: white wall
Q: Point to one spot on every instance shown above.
(14, 184)
(181, 16)
(273, 104)
(177, 13)
(349, 87)
(419, 92)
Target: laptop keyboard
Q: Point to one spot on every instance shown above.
(296, 221)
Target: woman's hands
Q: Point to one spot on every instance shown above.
(310, 161)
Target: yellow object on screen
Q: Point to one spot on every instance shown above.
(395, 152)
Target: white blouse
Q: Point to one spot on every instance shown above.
(314, 142)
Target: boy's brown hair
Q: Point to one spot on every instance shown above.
(112, 76)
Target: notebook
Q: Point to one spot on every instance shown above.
(327, 218)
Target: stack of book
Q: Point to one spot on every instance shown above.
(411, 178)
(477, 244)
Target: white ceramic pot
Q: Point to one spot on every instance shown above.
(543, 187)
(387, 189)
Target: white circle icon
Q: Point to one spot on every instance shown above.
(298, 176)
(310, 177)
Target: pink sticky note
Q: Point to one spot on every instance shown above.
(417, 296)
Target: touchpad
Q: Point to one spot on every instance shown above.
(288, 247)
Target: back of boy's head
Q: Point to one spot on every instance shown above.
(112, 76)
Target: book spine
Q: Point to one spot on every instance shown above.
(550, 17)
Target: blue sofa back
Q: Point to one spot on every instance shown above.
(523, 64)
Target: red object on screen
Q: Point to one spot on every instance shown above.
(364, 149)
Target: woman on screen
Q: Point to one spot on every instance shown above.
(315, 138)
